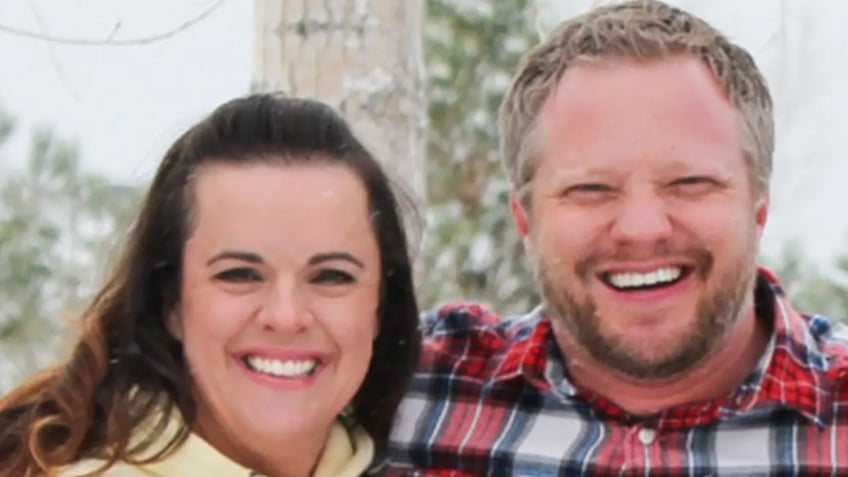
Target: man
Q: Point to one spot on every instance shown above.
(639, 143)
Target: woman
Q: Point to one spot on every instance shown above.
(261, 320)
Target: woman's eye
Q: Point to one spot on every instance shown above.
(239, 275)
(332, 277)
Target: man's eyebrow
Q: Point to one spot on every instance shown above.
(236, 255)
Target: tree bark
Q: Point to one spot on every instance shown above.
(363, 57)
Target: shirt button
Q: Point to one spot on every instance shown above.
(647, 436)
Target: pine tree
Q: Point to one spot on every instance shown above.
(810, 289)
(57, 225)
(471, 249)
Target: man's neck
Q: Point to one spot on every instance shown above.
(717, 374)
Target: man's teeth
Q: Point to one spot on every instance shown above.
(282, 368)
(635, 280)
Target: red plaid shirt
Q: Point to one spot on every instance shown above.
(492, 398)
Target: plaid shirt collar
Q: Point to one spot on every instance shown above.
(794, 373)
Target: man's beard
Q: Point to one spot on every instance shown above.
(716, 313)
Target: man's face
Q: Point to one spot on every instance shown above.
(642, 222)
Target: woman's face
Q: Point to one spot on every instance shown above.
(280, 292)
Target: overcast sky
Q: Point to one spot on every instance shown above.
(124, 105)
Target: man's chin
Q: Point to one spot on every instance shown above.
(649, 360)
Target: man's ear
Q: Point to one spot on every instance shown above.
(519, 215)
(761, 211)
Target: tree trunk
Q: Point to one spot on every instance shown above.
(362, 57)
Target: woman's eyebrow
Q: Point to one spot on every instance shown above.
(236, 255)
(323, 257)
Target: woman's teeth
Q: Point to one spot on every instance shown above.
(281, 368)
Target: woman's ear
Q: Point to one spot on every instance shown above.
(174, 324)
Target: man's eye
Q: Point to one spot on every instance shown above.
(692, 180)
(239, 275)
(694, 183)
(588, 190)
(332, 277)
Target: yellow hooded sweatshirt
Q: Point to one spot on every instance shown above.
(346, 454)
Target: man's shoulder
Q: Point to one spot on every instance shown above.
(459, 317)
(473, 318)
(831, 339)
(473, 328)
(831, 334)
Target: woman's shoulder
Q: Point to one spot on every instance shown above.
(119, 469)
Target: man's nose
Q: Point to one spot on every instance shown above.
(641, 219)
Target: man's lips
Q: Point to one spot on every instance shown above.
(627, 279)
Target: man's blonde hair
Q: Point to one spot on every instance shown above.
(640, 30)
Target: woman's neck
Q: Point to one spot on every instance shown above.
(293, 456)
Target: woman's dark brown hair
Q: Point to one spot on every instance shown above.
(126, 368)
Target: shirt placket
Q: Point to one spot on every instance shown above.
(641, 442)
